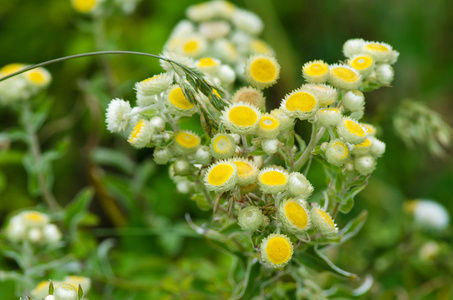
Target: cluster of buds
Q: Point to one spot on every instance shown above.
(71, 288)
(33, 227)
(239, 158)
(23, 86)
(221, 30)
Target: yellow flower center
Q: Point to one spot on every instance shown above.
(243, 116)
(273, 178)
(222, 144)
(34, 216)
(207, 62)
(268, 123)
(263, 70)
(178, 99)
(191, 46)
(136, 130)
(345, 74)
(220, 174)
(296, 214)
(361, 62)
(377, 47)
(187, 140)
(278, 250)
(11, 68)
(365, 143)
(326, 218)
(340, 149)
(354, 128)
(244, 169)
(317, 69)
(84, 6)
(301, 101)
(36, 77)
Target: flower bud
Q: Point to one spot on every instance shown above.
(365, 165)
(184, 187)
(270, 146)
(353, 100)
(337, 152)
(65, 291)
(384, 74)
(327, 117)
(158, 123)
(35, 235)
(162, 156)
(203, 156)
(50, 297)
(377, 147)
(299, 186)
(51, 233)
(181, 167)
(250, 218)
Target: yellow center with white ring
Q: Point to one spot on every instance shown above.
(301, 101)
(273, 178)
(242, 116)
(187, 140)
(220, 174)
(344, 74)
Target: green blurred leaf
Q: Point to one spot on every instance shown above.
(113, 158)
(77, 209)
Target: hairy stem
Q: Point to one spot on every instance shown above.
(315, 136)
(35, 150)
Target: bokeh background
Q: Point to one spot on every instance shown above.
(160, 256)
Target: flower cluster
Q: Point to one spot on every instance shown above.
(22, 86)
(220, 30)
(245, 159)
(95, 6)
(33, 227)
(68, 289)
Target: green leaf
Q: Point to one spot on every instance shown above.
(80, 292)
(301, 142)
(11, 157)
(347, 205)
(76, 210)
(201, 201)
(51, 288)
(354, 226)
(113, 158)
(31, 168)
(13, 135)
(142, 175)
(39, 116)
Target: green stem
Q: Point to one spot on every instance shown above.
(91, 54)
(315, 136)
(35, 150)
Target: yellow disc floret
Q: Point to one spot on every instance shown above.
(268, 127)
(247, 171)
(351, 131)
(262, 71)
(177, 98)
(241, 117)
(294, 215)
(187, 141)
(323, 222)
(315, 71)
(222, 145)
(300, 104)
(221, 176)
(273, 180)
(276, 250)
(344, 77)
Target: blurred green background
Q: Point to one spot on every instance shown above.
(299, 31)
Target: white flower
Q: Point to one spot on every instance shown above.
(117, 116)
